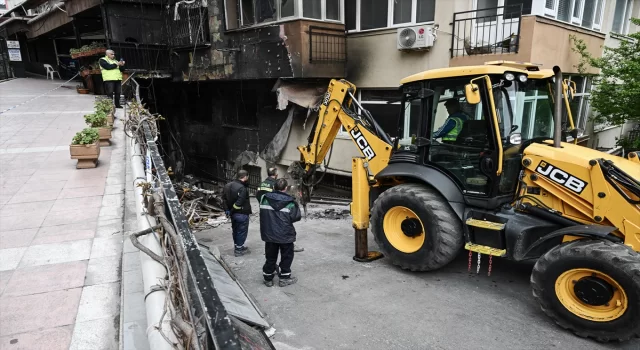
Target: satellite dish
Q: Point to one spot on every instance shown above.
(407, 37)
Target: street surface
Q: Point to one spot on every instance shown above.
(60, 227)
(342, 304)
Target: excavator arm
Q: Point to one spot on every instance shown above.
(335, 111)
(374, 145)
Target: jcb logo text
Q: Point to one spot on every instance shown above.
(562, 177)
(362, 143)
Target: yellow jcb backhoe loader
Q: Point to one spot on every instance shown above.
(502, 183)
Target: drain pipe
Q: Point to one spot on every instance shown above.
(153, 273)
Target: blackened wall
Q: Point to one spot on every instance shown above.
(215, 121)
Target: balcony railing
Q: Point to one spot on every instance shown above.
(188, 26)
(327, 45)
(494, 30)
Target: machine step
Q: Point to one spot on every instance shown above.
(488, 225)
(483, 249)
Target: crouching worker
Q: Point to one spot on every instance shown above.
(278, 212)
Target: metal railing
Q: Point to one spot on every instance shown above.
(143, 57)
(327, 45)
(494, 30)
(189, 25)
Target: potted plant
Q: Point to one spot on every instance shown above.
(106, 106)
(98, 120)
(81, 89)
(85, 148)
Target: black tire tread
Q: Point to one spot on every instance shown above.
(450, 233)
(614, 253)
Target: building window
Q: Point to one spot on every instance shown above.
(377, 103)
(248, 13)
(621, 15)
(378, 14)
(584, 13)
(580, 107)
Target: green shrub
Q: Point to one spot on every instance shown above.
(86, 137)
(105, 106)
(96, 120)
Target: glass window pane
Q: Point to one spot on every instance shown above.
(333, 9)
(549, 4)
(287, 8)
(312, 9)
(350, 9)
(386, 115)
(587, 15)
(373, 14)
(233, 20)
(266, 10)
(579, 83)
(564, 10)
(598, 17)
(491, 12)
(380, 95)
(402, 11)
(577, 6)
(618, 15)
(516, 5)
(247, 12)
(426, 10)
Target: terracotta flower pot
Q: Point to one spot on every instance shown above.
(105, 135)
(87, 155)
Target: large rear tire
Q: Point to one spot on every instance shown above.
(591, 288)
(416, 228)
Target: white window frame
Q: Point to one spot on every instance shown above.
(390, 24)
(577, 21)
(580, 121)
(628, 9)
(298, 13)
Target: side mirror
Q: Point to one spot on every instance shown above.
(472, 94)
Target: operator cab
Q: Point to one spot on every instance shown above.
(474, 123)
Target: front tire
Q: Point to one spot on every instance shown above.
(591, 288)
(416, 228)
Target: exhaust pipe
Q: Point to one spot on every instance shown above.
(557, 117)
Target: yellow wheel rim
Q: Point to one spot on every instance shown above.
(565, 291)
(392, 225)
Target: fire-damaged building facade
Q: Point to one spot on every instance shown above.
(246, 77)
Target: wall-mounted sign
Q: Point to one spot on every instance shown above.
(13, 44)
(14, 55)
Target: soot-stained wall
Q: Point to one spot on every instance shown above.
(215, 121)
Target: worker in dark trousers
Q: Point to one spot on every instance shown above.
(112, 76)
(267, 186)
(235, 197)
(278, 212)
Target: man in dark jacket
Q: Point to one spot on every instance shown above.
(267, 186)
(278, 212)
(236, 198)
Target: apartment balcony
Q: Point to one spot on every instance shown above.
(505, 33)
(296, 48)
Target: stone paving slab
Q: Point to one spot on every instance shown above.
(61, 228)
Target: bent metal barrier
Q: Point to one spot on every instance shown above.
(223, 331)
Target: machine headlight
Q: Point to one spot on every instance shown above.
(509, 76)
(523, 78)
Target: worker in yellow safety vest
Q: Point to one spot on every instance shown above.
(451, 128)
(112, 76)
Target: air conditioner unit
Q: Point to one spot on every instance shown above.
(415, 38)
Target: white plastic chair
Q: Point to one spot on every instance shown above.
(50, 71)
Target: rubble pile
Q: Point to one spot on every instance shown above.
(201, 203)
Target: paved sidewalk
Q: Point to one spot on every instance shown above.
(60, 227)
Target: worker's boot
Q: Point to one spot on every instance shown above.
(287, 281)
(241, 251)
(297, 248)
(268, 283)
